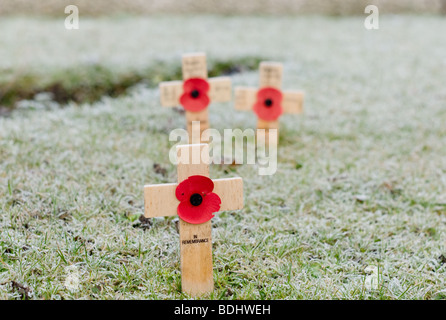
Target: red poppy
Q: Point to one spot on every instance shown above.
(195, 96)
(268, 106)
(197, 202)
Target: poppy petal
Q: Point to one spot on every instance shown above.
(193, 184)
(201, 184)
(269, 93)
(199, 84)
(194, 104)
(212, 203)
(182, 192)
(267, 114)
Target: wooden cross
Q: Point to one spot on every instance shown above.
(271, 74)
(195, 239)
(194, 66)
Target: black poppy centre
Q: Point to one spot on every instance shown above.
(195, 94)
(196, 199)
(268, 103)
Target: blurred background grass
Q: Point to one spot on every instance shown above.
(327, 7)
(20, 80)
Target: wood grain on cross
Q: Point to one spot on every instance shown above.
(194, 66)
(271, 74)
(160, 200)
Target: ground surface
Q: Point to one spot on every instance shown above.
(361, 179)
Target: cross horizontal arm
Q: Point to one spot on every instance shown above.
(230, 192)
(293, 102)
(220, 90)
(160, 200)
(170, 93)
(245, 97)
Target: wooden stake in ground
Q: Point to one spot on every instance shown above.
(195, 92)
(269, 102)
(195, 198)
